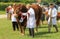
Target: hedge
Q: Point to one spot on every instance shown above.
(3, 6)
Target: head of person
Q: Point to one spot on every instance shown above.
(9, 6)
(28, 6)
(51, 5)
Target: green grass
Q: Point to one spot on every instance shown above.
(6, 32)
(2, 12)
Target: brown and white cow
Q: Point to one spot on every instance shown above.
(23, 9)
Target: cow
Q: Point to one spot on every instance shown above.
(21, 8)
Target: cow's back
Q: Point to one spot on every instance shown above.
(38, 12)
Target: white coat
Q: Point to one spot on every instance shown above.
(54, 16)
(13, 18)
(31, 22)
(11, 11)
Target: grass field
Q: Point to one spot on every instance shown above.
(6, 32)
(2, 12)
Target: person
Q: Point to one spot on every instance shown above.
(13, 19)
(8, 11)
(14, 22)
(31, 20)
(52, 18)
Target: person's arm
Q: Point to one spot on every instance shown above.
(49, 12)
(28, 14)
(17, 18)
(10, 16)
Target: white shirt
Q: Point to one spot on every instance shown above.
(13, 18)
(11, 10)
(31, 19)
(54, 14)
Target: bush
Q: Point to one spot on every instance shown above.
(3, 6)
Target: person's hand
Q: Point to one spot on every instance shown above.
(50, 16)
(28, 15)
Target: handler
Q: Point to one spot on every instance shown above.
(52, 18)
(31, 20)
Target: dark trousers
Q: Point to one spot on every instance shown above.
(31, 32)
(56, 27)
(15, 25)
(49, 28)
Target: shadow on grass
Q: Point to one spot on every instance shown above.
(44, 27)
(43, 34)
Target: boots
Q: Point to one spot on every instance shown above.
(49, 28)
(36, 29)
(31, 32)
(56, 27)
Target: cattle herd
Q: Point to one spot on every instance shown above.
(22, 8)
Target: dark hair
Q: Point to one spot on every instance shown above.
(51, 4)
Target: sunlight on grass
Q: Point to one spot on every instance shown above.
(2, 12)
(6, 32)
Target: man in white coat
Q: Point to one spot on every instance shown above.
(52, 18)
(31, 21)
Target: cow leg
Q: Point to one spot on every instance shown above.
(37, 24)
(36, 27)
(21, 28)
(24, 29)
